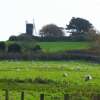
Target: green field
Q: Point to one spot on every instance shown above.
(62, 46)
(52, 46)
(48, 77)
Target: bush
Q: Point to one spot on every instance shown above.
(12, 38)
(2, 46)
(24, 37)
(43, 80)
(37, 48)
(14, 48)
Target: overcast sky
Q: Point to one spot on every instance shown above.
(14, 13)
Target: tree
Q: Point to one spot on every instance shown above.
(2, 46)
(12, 38)
(79, 25)
(92, 35)
(79, 28)
(25, 37)
(14, 48)
(51, 30)
(95, 38)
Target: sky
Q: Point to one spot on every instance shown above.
(14, 13)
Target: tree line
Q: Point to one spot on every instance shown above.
(77, 27)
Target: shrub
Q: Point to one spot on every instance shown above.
(24, 37)
(37, 48)
(12, 38)
(2, 46)
(14, 48)
(43, 81)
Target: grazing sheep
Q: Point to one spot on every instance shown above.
(65, 74)
(88, 77)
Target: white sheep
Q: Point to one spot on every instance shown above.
(88, 77)
(65, 74)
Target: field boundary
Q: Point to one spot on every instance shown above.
(42, 96)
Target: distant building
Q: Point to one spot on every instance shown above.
(29, 29)
(25, 36)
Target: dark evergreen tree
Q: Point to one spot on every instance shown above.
(79, 25)
(79, 28)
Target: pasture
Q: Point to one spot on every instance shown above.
(62, 46)
(50, 77)
(52, 46)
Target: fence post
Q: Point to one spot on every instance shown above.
(22, 95)
(96, 97)
(66, 96)
(41, 96)
(6, 95)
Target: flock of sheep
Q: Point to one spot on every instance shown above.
(86, 77)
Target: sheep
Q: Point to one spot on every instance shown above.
(88, 77)
(65, 74)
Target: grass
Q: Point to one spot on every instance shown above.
(62, 46)
(47, 77)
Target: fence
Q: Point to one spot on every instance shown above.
(42, 96)
(22, 97)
